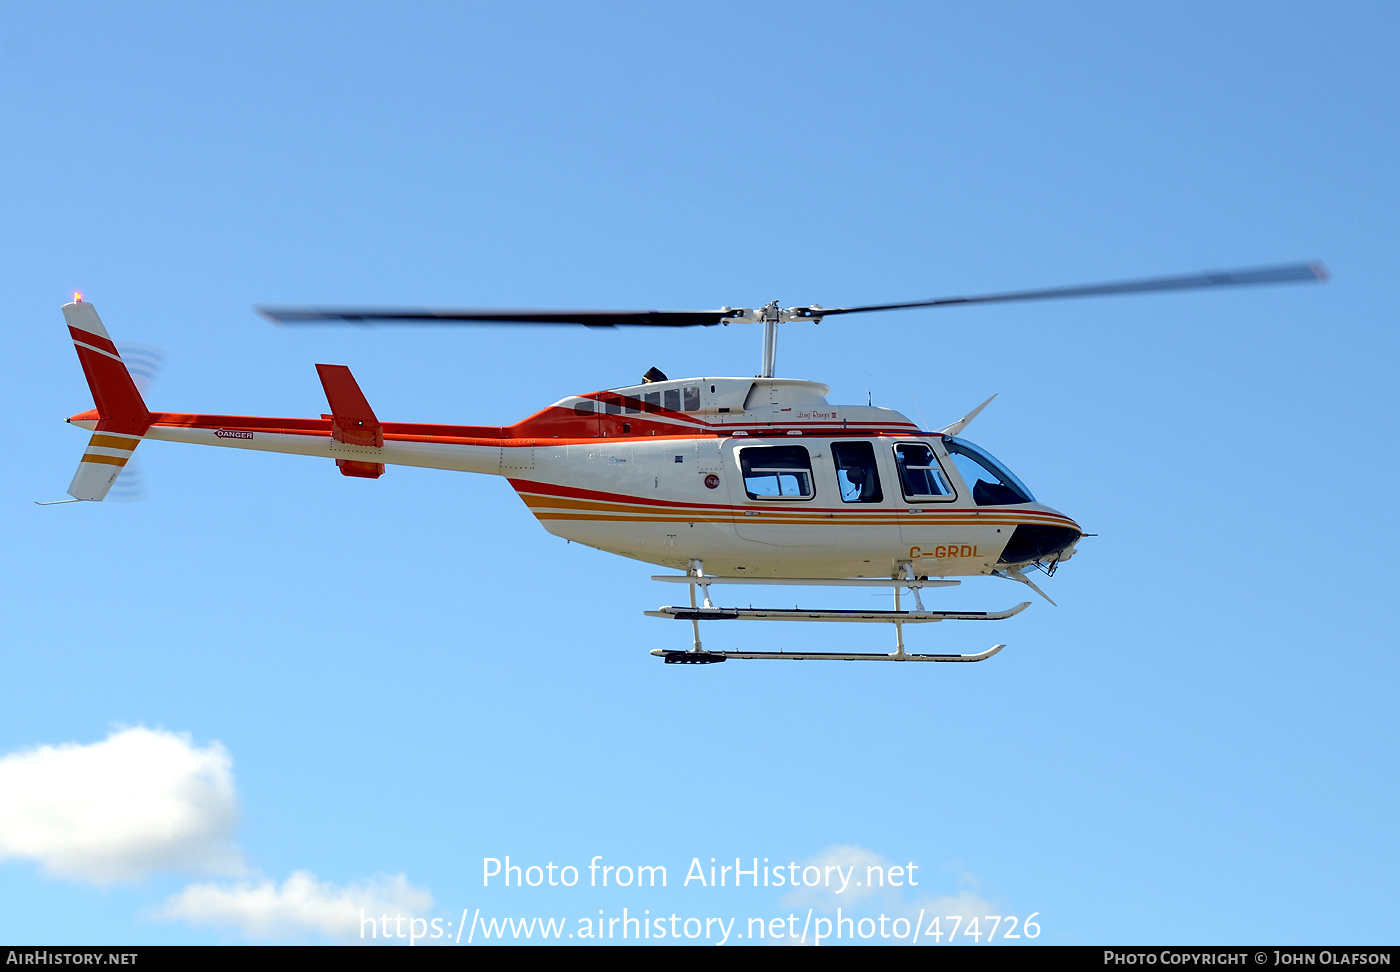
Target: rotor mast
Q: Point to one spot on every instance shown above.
(770, 315)
(770, 339)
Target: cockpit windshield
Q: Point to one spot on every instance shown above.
(992, 483)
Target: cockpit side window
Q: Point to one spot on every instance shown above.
(777, 473)
(992, 483)
(920, 474)
(856, 473)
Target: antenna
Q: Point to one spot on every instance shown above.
(922, 417)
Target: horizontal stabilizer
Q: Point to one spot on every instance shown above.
(356, 432)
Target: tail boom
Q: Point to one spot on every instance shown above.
(476, 449)
(352, 435)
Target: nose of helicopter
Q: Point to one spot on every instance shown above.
(1031, 542)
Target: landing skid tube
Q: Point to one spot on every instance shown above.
(693, 657)
(695, 577)
(798, 614)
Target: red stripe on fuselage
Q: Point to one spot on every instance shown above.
(507, 436)
(556, 424)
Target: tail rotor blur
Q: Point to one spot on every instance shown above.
(144, 362)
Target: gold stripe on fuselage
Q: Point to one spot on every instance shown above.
(571, 508)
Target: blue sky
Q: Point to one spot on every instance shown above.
(382, 683)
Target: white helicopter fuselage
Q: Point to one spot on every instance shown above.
(674, 499)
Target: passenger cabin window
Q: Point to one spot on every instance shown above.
(612, 404)
(777, 473)
(920, 474)
(653, 401)
(692, 398)
(992, 483)
(673, 399)
(856, 473)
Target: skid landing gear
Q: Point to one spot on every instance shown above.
(696, 612)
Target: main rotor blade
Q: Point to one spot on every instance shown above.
(428, 315)
(1290, 273)
(600, 318)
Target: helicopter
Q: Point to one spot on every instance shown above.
(730, 480)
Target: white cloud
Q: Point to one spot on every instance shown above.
(141, 800)
(146, 800)
(849, 873)
(302, 904)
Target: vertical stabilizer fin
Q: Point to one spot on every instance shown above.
(119, 404)
(122, 414)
